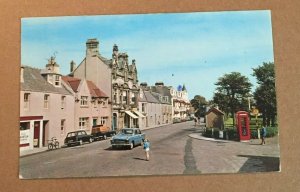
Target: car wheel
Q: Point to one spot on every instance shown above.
(91, 140)
(131, 145)
(104, 137)
(80, 142)
(69, 145)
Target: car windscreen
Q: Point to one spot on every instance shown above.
(71, 134)
(127, 131)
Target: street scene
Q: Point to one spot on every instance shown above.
(169, 94)
(176, 149)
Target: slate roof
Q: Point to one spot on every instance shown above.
(34, 81)
(163, 90)
(148, 97)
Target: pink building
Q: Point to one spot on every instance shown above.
(46, 106)
(91, 104)
(97, 69)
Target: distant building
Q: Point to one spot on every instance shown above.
(46, 106)
(181, 103)
(163, 95)
(97, 69)
(125, 91)
(91, 104)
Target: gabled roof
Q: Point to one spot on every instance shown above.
(162, 90)
(148, 97)
(72, 82)
(34, 81)
(215, 110)
(95, 91)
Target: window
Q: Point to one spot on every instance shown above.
(125, 97)
(63, 102)
(84, 101)
(57, 80)
(26, 100)
(103, 120)
(95, 121)
(83, 122)
(143, 107)
(46, 101)
(115, 97)
(62, 126)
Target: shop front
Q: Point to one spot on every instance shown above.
(31, 132)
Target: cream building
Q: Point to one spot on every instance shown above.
(181, 103)
(46, 106)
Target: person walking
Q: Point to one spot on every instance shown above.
(263, 134)
(147, 149)
(195, 120)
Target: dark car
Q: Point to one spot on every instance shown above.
(77, 138)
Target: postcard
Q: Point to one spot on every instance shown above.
(148, 94)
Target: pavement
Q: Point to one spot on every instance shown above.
(28, 152)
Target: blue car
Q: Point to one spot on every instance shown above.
(128, 137)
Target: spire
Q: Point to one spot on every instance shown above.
(183, 88)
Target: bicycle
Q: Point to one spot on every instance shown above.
(53, 143)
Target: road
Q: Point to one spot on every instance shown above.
(172, 152)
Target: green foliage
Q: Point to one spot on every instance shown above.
(265, 93)
(199, 103)
(232, 93)
(233, 135)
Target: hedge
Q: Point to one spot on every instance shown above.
(233, 135)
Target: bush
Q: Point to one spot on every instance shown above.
(233, 135)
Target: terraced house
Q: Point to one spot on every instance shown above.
(46, 106)
(91, 104)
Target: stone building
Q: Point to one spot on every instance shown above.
(125, 91)
(46, 106)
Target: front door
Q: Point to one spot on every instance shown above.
(36, 134)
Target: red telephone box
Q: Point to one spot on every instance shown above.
(243, 125)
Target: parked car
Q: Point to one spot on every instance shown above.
(176, 120)
(128, 137)
(102, 132)
(78, 138)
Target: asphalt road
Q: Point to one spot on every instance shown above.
(172, 152)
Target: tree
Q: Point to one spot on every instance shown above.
(199, 103)
(265, 94)
(232, 93)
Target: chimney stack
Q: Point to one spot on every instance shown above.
(72, 66)
(92, 47)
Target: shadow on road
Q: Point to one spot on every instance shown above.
(137, 158)
(260, 164)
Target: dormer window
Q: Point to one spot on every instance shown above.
(57, 80)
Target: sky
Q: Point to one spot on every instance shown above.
(193, 49)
